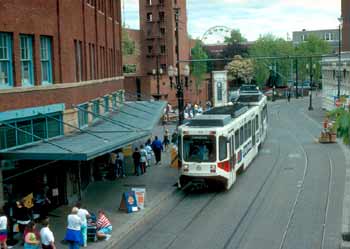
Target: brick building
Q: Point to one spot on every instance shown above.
(345, 13)
(61, 87)
(157, 43)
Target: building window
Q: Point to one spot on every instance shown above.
(163, 66)
(46, 59)
(162, 49)
(149, 17)
(6, 77)
(21, 132)
(26, 45)
(328, 37)
(161, 2)
(92, 61)
(83, 117)
(162, 31)
(161, 16)
(150, 48)
(96, 108)
(303, 37)
(149, 2)
(78, 60)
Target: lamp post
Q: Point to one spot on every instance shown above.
(311, 70)
(340, 19)
(180, 82)
(156, 73)
(273, 79)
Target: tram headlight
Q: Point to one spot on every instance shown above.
(212, 168)
(185, 167)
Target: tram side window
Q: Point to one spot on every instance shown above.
(245, 132)
(222, 148)
(256, 122)
(249, 129)
(236, 139)
(241, 136)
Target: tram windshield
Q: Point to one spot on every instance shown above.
(199, 148)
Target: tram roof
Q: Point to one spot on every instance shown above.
(218, 116)
(246, 98)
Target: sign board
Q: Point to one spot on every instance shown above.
(219, 88)
(128, 202)
(140, 196)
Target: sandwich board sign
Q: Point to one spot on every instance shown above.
(128, 202)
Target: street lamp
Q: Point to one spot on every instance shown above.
(273, 82)
(156, 73)
(340, 19)
(180, 82)
(311, 70)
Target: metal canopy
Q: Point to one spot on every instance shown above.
(111, 136)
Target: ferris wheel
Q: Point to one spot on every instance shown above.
(216, 35)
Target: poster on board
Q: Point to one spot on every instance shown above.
(140, 196)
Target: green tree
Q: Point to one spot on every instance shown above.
(270, 46)
(235, 37)
(241, 70)
(128, 45)
(312, 46)
(342, 123)
(198, 69)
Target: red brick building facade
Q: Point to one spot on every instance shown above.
(345, 13)
(157, 43)
(83, 39)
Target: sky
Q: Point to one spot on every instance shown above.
(252, 17)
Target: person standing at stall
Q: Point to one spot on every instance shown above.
(73, 234)
(84, 215)
(136, 157)
(46, 236)
(3, 230)
(143, 159)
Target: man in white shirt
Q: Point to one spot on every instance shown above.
(83, 214)
(46, 236)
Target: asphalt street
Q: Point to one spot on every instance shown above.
(289, 198)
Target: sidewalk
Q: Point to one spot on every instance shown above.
(159, 183)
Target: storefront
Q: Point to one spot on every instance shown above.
(61, 168)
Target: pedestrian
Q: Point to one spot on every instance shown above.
(84, 215)
(157, 149)
(174, 137)
(104, 226)
(31, 237)
(149, 151)
(120, 162)
(3, 229)
(73, 234)
(136, 157)
(143, 159)
(113, 163)
(288, 95)
(46, 236)
(22, 215)
(166, 139)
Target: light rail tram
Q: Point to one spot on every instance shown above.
(221, 143)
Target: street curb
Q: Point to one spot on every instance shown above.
(129, 227)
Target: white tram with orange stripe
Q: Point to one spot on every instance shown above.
(222, 142)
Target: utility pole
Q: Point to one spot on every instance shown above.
(296, 78)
